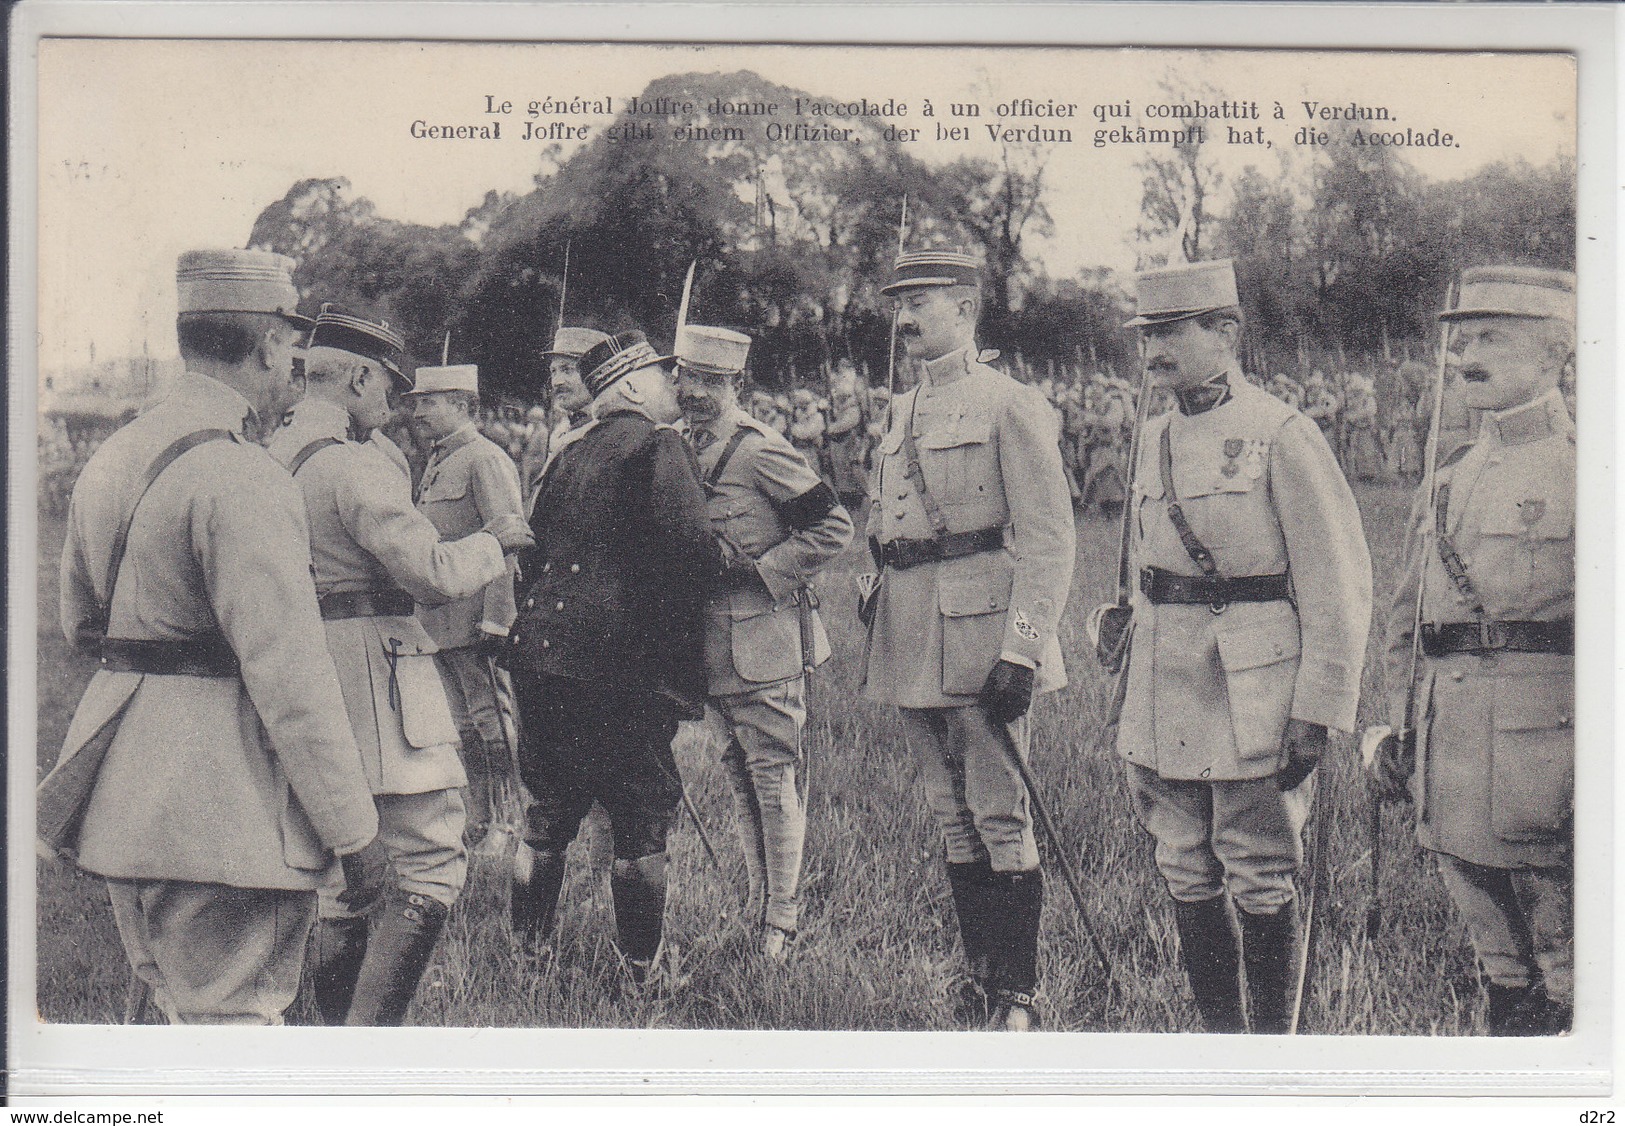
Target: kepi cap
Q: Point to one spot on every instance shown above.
(237, 281)
(614, 358)
(924, 269)
(1513, 291)
(1178, 292)
(453, 377)
(575, 342)
(372, 340)
(713, 351)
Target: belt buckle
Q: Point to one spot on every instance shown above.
(1217, 607)
(1488, 638)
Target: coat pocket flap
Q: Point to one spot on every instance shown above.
(421, 696)
(1252, 645)
(963, 434)
(968, 595)
(1541, 709)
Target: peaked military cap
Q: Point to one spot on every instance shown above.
(575, 342)
(1513, 291)
(1184, 290)
(453, 377)
(237, 281)
(713, 351)
(614, 358)
(370, 340)
(924, 269)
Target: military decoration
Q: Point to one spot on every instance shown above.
(1025, 627)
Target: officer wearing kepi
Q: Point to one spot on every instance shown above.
(972, 527)
(608, 652)
(375, 558)
(209, 774)
(1249, 635)
(571, 401)
(469, 483)
(778, 524)
(1491, 761)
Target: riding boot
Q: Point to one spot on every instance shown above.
(477, 795)
(638, 888)
(399, 952)
(1014, 948)
(748, 814)
(1518, 1010)
(340, 947)
(533, 900)
(1212, 957)
(1269, 945)
(970, 883)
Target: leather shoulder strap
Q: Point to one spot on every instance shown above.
(1194, 547)
(911, 468)
(160, 463)
(1449, 556)
(310, 450)
(728, 452)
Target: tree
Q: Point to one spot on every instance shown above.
(1177, 190)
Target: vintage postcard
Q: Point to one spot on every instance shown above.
(601, 552)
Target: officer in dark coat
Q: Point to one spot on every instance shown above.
(608, 651)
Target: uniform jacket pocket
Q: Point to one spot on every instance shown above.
(974, 603)
(1532, 759)
(958, 461)
(1259, 654)
(420, 697)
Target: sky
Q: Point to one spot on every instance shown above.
(148, 148)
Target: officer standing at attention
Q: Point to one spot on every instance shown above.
(1250, 630)
(469, 483)
(375, 557)
(778, 524)
(973, 529)
(608, 652)
(1491, 761)
(209, 774)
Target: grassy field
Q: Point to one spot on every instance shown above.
(878, 947)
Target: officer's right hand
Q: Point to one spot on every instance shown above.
(1392, 766)
(511, 531)
(366, 873)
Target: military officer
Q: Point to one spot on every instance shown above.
(468, 483)
(972, 526)
(1491, 761)
(209, 774)
(1250, 630)
(778, 524)
(570, 401)
(608, 652)
(375, 557)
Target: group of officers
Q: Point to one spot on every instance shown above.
(296, 725)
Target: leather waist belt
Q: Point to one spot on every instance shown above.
(339, 604)
(900, 555)
(200, 656)
(1165, 587)
(1488, 636)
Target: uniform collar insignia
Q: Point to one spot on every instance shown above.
(1212, 392)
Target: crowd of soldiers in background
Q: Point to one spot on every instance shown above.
(1375, 425)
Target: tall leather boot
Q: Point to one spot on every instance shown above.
(477, 794)
(1014, 948)
(1269, 945)
(533, 899)
(399, 952)
(638, 888)
(336, 958)
(748, 813)
(971, 884)
(1519, 1010)
(1212, 957)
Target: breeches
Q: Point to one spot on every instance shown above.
(974, 790)
(213, 954)
(1520, 920)
(471, 692)
(581, 743)
(423, 834)
(1246, 836)
(761, 762)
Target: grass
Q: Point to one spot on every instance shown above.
(878, 946)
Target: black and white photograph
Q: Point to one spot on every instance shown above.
(807, 538)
